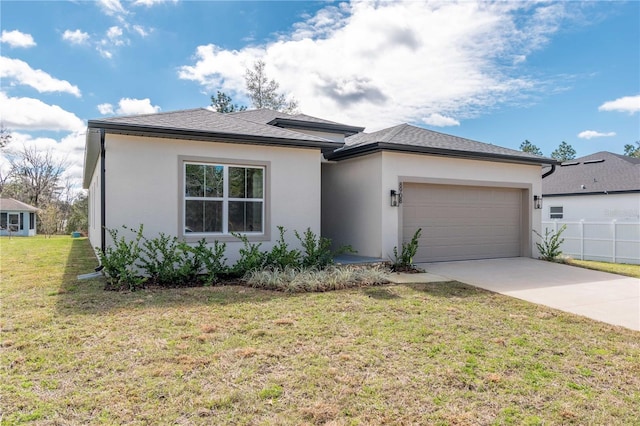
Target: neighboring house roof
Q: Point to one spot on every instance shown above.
(602, 172)
(298, 121)
(9, 204)
(195, 124)
(412, 139)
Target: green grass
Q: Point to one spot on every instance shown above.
(614, 268)
(442, 353)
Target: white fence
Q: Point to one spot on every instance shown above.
(617, 242)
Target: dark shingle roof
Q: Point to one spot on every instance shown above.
(9, 204)
(202, 121)
(600, 172)
(408, 138)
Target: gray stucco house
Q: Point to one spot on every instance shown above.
(17, 218)
(200, 174)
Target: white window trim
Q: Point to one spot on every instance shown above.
(264, 235)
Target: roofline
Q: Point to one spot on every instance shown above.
(384, 146)
(309, 125)
(170, 132)
(602, 192)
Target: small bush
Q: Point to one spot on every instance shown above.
(165, 260)
(251, 258)
(119, 261)
(404, 260)
(549, 247)
(317, 251)
(280, 256)
(212, 259)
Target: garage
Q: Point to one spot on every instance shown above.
(462, 222)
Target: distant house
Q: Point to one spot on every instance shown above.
(199, 174)
(599, 187)
(17, 218)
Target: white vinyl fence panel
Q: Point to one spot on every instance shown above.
(617, 242)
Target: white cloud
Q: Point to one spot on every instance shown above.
(112, 7)
(75, 37)
(114, 36)
(590, 134)
(105, 108)
(149, 3)
(129, 106)
(19, 72)
(439, 120)
(142, 31)
(628, 104)
(33, 114)
(382, 63)
(16, 38)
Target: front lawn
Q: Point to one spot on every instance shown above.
(442, 353)
(614, 268)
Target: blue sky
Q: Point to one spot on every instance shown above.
(494, 72)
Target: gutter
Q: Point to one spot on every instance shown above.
(550, 172)
(382, 146)
(103, 197)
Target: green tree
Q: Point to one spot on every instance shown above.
(79, 216)
(565, 152)
(264, 92)
(223, 103)
(527, 146)
(632, 151)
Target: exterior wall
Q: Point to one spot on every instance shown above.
(400, 167)
(142, 181)
(94, 208)
(600, 207)
(356, 207)
(352, 204)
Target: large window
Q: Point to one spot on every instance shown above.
(223, 198)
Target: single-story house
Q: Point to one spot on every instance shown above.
(17, 218)
(201, 174)
(599, 187)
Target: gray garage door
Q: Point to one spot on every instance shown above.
(462, 222)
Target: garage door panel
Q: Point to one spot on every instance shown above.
(460, 222)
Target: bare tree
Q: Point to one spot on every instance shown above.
(264, 92)
(34, 175)
(5, 136)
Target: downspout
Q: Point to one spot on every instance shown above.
(550, 172)
(103, 195)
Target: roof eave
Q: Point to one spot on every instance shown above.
(600, 192)
(382, 146)
(167, 132)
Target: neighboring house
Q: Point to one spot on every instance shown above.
(200, 174)
(17, 218)
(599, 187)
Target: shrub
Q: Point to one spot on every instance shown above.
(251, 258)
(405, 259)
(165, 260)
(119, 261)
(280, 256)
(549, 247)
(317, 251)
(212, 259)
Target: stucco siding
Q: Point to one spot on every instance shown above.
(352, 204)
(94, 208)
(142, 180)
(600, 207)
(398, 167)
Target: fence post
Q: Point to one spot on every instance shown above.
(581, 239)
(613, 222)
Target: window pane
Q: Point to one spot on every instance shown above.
(245, 182)
(194, 180)
(3, 220)
(214, 181)
(245, 216)
(203, 216)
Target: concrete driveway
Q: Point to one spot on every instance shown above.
(605, 297)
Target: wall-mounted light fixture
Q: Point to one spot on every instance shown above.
(394, 198)
(537, 201)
